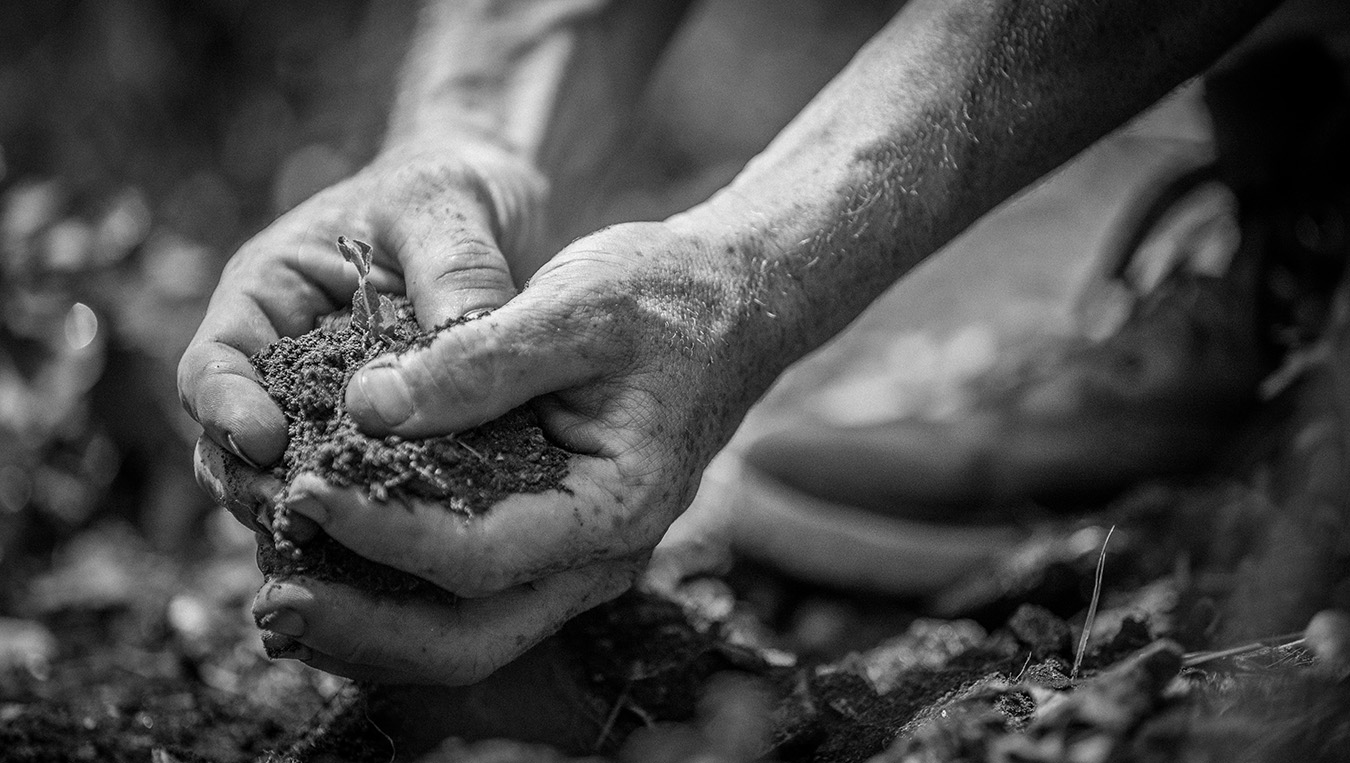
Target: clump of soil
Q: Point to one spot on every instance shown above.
(465, 473)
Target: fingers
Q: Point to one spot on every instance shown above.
(451, 262)
(277, 285)
(220, 389)
(234, 410)
(349, 632)
(475, 372)
(522, 538)
(240, 489)
(470, 374)
(585, 318)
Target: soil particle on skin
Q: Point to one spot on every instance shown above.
(465, 473)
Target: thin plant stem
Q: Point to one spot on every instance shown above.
(1092, 608)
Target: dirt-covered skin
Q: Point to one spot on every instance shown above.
(644, 342)
(465, 473)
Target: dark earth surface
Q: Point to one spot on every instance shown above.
(142, 142)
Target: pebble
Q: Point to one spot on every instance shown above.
(1039, 628)
(1328, 637)
(27, 645)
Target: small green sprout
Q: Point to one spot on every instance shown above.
(372, 311)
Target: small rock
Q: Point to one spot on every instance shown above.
(928, 643)
(27, 645)
(820, 625)
(1328, 636)
(1039, 628)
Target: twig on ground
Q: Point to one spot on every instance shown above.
(1282, 641)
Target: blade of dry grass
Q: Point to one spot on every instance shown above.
(1281, 641)
(1092, 608)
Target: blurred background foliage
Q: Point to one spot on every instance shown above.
(141, 141)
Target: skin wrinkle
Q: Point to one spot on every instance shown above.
(694, 321)
(308, 294)
(286, 247)
(859, 191)
(898, 209)
(481, 276)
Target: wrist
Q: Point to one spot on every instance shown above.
(783, 239)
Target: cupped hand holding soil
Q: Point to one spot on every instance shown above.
(631, 367)
(638, 349)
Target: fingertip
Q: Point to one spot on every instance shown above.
(238, 451)
(275, 595)
(242, 418)
(311, 496)
(379, 399)
(280, 646)
(240, 489)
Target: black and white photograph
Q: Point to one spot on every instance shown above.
(674, 381)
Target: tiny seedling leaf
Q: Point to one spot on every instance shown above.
(364, 301)
(357, 253)
(386, 316)
(372, 311)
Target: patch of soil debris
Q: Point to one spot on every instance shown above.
(1222, 635)
(465, 473)
(126, 656)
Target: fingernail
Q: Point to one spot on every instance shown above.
(287, 622)
(307, 505)
(387, 393)
(238, 451)
(278, 646)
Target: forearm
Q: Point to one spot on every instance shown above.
(552, 81)
(952, 108)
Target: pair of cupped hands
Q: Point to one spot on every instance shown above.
(621, 342)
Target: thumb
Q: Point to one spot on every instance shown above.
(470, 373)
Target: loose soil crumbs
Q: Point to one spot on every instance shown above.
(465, 473)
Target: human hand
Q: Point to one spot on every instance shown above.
(635, 344)
(453, 227)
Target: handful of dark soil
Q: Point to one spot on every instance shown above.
(465, 473)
